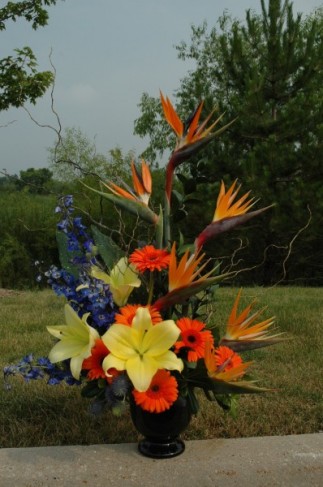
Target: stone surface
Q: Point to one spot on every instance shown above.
(254, 462)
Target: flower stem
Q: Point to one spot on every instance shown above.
(151, 288)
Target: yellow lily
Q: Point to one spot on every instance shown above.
(142, 348)
(122, 280)
(142, 185)
(76, 340)
(243, 334)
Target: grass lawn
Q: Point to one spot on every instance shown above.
(34, 414)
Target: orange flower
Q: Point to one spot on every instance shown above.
(127, 313)
(191, 137)
(94, 363)
(225, 358)
(223, 363)
(243, 333)
(142, 185)
(185, 279)
(161, 394)
(149, 258)
(226, 207)
(186, 271)
(193, 338)
(190, 131)
(228, 213)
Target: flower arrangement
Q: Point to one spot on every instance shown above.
(138, 322)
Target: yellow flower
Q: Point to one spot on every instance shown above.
(122, 280)
(142, 348)
(76, 340)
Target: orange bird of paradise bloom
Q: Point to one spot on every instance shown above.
(184, 278)
(142, 184)
(229, 213)
(185, 272)
(189, 132)
(243, 333)
(191, 136)
(226, 207)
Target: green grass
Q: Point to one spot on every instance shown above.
(35, 414)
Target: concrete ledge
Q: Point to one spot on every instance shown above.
(295, 460)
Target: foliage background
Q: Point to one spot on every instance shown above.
(267, 73)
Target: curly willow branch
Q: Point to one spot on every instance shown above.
(290, 246)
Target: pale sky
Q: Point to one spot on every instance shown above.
(106, 54)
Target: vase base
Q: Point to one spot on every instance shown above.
(152, 449)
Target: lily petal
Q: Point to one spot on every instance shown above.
(141, 370)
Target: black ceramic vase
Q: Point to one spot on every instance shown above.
(161, 430)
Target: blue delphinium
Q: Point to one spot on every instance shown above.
(84, 293)
(78, 239)
(33, 369)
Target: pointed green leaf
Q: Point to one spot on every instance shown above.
(181, 294)
(160, 230)
(222, 387)
(66, 256)
(243, 345)
(108, 249)
(134, 207)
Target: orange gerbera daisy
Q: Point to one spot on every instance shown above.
(94, 363)
(161, 394)
(224, 364)
(127, 313)
(226, 359)
(149, 258)
(193, 338)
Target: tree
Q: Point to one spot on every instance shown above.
(75, 156)
(34, 180)
(267, 72)
(19, 79)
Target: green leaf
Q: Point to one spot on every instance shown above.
(160, 230)
(134, 207)
(222, 387)
(192, 400)
(65, 255)
(91, 389)
(108, 249)
(181, 294)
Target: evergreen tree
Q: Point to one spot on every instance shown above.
(267, 72)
